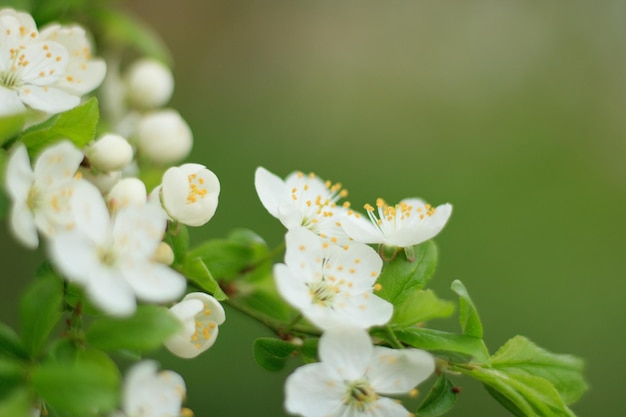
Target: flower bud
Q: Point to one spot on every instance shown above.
(164, 137)
(164, 254)
(189, 194)
(150, 84)
(127, 192)
(200, 315)
(110, 152)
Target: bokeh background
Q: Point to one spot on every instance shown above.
(514, 112)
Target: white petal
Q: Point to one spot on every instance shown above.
(215, 309)
(10, 102)
(19, 175)
(109, 291)
(154, 282)
(303, 248)
(74, 255)
(44, 63)
(137, 231)
(423, 231)
(314, 390)
(289, 215)
(292, 288)
(186, 311)
(365, 310)
(398, 371)
(47, 99)
(23, 226)
(346, 349)
(271, 190)
(91, 216)
(57, 164)
(362, 230)
(386, 407)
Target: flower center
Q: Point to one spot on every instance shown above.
(360, 394)
(322, 292)
(204, 327)
(32, 200)
(393, 214)
(197, 189)
(107, 256)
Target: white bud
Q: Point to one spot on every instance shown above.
(164, 137)
(127, 192)
(104, 181)
(189, 194)
(110, 152)
(150, 84)
(164, 254)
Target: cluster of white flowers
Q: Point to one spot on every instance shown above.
(329, 274)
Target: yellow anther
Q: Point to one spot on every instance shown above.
(377, 287)
(374, 273)
(343, 193)
(368, 207)
(380, 202)
(413, 393)
(302, 247)
(206, 334)
(300, 174)
(325, 245)
(212, 325)
(306, 187)
(207, 312)
(352, 270)
(346, 204)
(333, 239)
(294, 197)
(186, 412)
(311, 175)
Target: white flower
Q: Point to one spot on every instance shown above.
(47, 71)
(125, 193)
(150, 83)
(105, 181)
(41, 196)
(330, 284)
(406, 224)
(164, 137)
(189, 194)
(148, 393)
(112, 258)
(351, 375)
(200, 315)
(303, 200)
(110, 152)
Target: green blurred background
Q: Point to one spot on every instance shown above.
(514, 112)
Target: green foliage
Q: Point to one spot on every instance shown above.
(11, 373)
(40, 310)
(10, 126)
(420, 306)
(18, 404)
(308, 350)
(178, 239)
(77, 389)
(197, 272)
(77, 125)
(457, 348)
(272, 354)
(468, 316)
(224, 258)
(144, 331)
(401, 276)
(10, 344)
(440, 399)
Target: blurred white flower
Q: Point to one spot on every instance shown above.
(46, 71)
(303, 200)
(113, 258)
(41, 196)
(148, 393)
(351, 375)
(109, 152)
(406, 224)
(200, 314)
(189, 194)
(149, 83)
(125, 193)
(331, 285)
(104, 181)
(163, 137)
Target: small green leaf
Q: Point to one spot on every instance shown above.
(178, 240)
(272, 354)
(78, 389)
(454, 347)
(400, 275)
(522, 394)
(10, 126)
(124, 29)
(10, 344)
(197, 272)
(18, 404)
(77, 125)
(440, 399)
(40, 310)
(420, 306)
(520, 355)
(144, 331)
(308, 350)
(11, 374)
(225, 259)
(468, 315)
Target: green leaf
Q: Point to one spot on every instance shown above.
(468, 316)
(440, 399)
(420, 306)
(124, 29)
(308, 350)
(522, 394)
(197, 272)
(272, 354)
(78, 389)
(11, 374)
(10, 126)
(225, 259)
(18, 404)
(144, 331)
(457, 348)
(520, 355)
(77, 125)
(400, 275)
(178, 240)
(40, 310)
(10, 344)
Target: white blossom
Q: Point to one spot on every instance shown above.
(200, 314)
(189, 194)
(149, 83)
(405, 224)
(304, 200)
(331, 284)
(109, 152)
(46, 71)
(164, 137)
(125, 193)
(113, 258)
(41, 195)
(104, 181)
(351, 375)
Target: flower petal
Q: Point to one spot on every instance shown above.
(10, 102)
(57, 164)
(47, 99)
(346, 349)
(108, 290)
(292, 288)
(314, 390)
(23, 226)
(19, 175)
(398, 371)
(271, 190)
(154, 282)
(386, 407)
(422, 231)
(74, 255)
(362, 230)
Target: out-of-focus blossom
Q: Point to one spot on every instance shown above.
(109, 152)
(125, 193)
(164, 137)
(149, 84)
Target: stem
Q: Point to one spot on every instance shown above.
(287, 329)
(393, 339)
